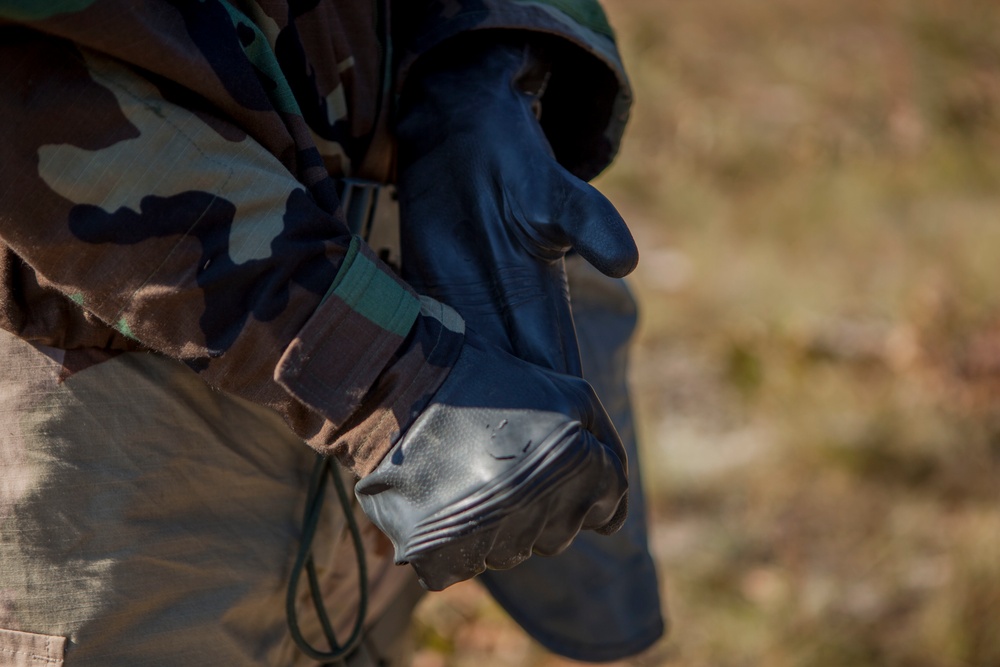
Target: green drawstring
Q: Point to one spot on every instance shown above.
(322, 471)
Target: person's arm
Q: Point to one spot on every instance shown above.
(166, 209)
(153, 201)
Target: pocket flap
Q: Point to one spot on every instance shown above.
(27, 649)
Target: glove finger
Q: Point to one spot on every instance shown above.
(593, 416)
(609, 490)
(440, 568)
(564, 525)
(611, 526)
(591, 499)
(517, 535)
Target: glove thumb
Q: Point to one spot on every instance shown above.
(592, 226)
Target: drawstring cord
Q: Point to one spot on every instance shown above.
(322, 471)
(359, 199)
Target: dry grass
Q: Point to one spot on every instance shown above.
(815, 187)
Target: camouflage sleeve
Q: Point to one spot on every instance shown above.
(586, 103)
(171, 199)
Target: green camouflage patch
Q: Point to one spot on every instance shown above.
(371, 292)
(259, 52)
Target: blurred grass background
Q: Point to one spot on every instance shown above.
(815, 190)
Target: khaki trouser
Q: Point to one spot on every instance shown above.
(146, 519)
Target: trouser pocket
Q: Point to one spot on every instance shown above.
(27, 649)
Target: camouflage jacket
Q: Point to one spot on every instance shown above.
(167, 183)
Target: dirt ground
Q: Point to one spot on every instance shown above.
(815, 189)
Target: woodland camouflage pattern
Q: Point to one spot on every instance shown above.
(167, 184)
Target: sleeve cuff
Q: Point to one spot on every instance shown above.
(350, 339)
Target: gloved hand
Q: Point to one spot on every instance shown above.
(507, 458)
(487, 213)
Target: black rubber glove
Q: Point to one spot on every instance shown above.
(506, 459)
(487, 213)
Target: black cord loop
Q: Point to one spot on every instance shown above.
(322, 471)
